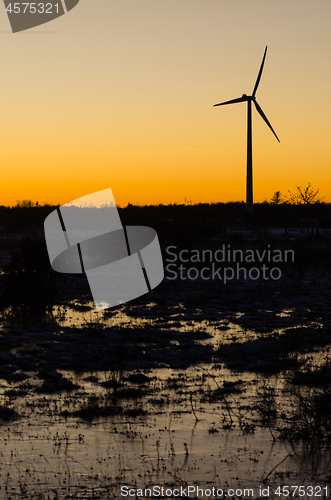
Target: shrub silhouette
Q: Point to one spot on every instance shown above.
(29, 282)
(304, 195)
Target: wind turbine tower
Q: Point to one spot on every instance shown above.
(249, 99)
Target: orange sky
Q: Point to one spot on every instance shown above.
(120, 94)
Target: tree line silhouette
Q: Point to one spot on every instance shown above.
(303, 203)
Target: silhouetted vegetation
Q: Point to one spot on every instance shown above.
(304, 195)
(182, 221)
(28, 282)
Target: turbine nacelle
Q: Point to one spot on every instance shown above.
(246, 97)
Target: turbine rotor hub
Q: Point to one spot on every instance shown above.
(248, 97)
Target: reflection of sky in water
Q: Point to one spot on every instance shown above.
(44, 450)
(48, 455)
(214, 331)
(48, 452)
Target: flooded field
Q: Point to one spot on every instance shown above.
(195, 384)
(76, 459)
(152, 394)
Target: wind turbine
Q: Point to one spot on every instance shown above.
(249, 99)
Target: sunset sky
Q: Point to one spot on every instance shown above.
(119, 94)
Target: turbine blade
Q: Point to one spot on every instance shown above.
(240, 99)
(260, 73)
(259, 110)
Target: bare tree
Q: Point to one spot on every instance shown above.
(304, 195)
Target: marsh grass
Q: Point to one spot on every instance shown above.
(266, 405)
(310, 418)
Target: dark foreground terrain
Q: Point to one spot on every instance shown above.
(218, 383)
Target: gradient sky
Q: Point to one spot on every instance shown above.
(120, 94)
